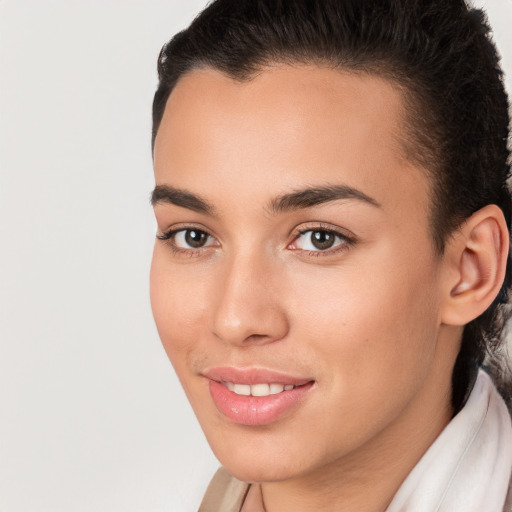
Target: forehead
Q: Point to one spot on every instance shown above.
(286, 125)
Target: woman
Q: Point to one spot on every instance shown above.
(330, 269)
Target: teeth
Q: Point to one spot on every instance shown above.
(276, 388)
(242, 389)
(260, 390)
(257, 389)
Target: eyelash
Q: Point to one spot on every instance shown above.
(169, 238)
(346, 241)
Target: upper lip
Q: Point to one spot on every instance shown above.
(252, 376)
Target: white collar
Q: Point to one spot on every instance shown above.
(468, 467)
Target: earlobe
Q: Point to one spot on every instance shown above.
(477, 257)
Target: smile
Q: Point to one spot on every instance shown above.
(257, 389)
(256, 396)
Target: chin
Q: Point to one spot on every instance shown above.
(259, 459)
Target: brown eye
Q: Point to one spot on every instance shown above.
(195, 238)
(322, 240)
(188, 239)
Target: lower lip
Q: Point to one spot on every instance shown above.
(256, 410)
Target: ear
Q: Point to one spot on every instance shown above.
(475, 261)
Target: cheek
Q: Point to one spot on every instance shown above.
(178, 307)
(370, 324)
(371, 337)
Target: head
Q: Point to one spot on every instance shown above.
(431, 61)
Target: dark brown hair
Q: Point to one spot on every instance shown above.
(438, 52)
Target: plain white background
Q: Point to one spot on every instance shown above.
(92, 417)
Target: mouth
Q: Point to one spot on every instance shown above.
(256, 396)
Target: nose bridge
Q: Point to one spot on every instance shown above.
(249, 307)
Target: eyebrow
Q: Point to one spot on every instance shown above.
(315, 196)
(180, 197)
(297, 200)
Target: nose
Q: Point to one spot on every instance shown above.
(249, 307)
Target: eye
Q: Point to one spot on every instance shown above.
(320, 240)
(191, 239)
(188, 239)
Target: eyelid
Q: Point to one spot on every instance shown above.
(165, 234)
(348, 238)
(168, 235)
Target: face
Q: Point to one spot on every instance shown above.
(294, 282)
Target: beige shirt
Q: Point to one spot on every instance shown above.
(227, 494)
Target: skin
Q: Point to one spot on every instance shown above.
(363, 319)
